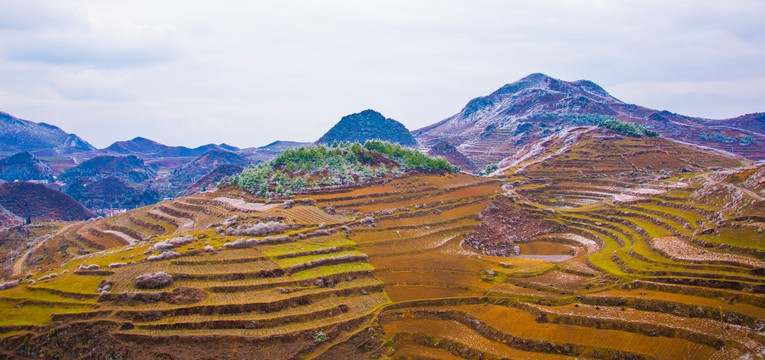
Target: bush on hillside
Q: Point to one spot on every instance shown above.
(628, 128)
(153, 281)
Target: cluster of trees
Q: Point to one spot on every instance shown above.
(574, 119)
(628, 128)
(489, 169)
(743, 140)
(317, 166)
(609, 122)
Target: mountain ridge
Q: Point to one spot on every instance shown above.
(19, 135)
(489, 127)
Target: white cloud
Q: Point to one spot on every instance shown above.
(249, 72)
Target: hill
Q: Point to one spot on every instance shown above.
(210, 181)
(587, 166)
(151, 149)
(368, 125)
(106, 182)
(456, 158)
(129, 168)
(268, 152)
(490, 127)
(317, 167)
(182, 178)
(36, 201)
(18, 135)
(24, 166)
(112, 193)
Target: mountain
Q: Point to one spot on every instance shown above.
(152, 149)
(112, 192)
(279, 145)
(268, 152)
(129, 168)
(186, 175)
(491, 127)
(24, 166)
(112, 182)
(18, 135)
(210, 180)
(368, 125)
(456, 158)
(39, 202)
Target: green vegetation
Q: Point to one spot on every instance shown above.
(605, 121)
(320, 336)
(628, 128)
(317, 166)
(575, 119)
(489, 169)
(718, 138)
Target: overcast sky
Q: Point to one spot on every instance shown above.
(247, 73)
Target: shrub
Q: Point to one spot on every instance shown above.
(174, 242)
(628, 128)
(259, 229)
(9, 284)
(163, 256)
(49, 276)
(320, 336)
(153, 281)
(89, 267)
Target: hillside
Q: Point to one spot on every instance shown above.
(269, 151)
(589, 166)
(210, 181)
(368, 125)
(36, 201)
(112, 193)
(318, 167)
(9, 219)
(23, 167)
(185, 176)
(18, 135)
(490, 127)
(108, 182)
(389, 269)
(128, 168)
(456, 158)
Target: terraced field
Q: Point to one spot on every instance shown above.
(629, 264)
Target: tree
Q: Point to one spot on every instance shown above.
(298, 185)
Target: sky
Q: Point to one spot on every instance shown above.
(247, 73)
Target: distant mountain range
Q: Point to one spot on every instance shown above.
(491, 127)
(487, 130)
(151, 149)
(17, 135)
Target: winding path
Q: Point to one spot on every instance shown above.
(18, 265)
